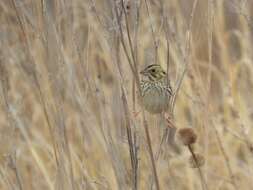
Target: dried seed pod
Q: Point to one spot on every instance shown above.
(186, 136)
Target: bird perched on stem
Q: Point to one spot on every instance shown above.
(155, 89)
(155, 97)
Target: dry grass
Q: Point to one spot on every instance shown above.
(69, 77)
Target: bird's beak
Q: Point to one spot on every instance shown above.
(143, 72)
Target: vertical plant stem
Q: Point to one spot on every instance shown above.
(202, 178)
(132, 148)
(226, 158)
(150, 150)
(186, 56)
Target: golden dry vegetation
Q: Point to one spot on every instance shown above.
(69, 77)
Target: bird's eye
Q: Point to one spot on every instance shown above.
(153, 70)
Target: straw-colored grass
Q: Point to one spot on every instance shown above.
(69, 84)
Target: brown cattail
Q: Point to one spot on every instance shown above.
(186, 136)
(196, 160)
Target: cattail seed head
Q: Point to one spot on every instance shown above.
(196, 161)
(186, 136)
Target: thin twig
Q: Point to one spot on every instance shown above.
(151, 152)
(135, 73)
(129, 38)
(152, 31)
(226, 158)
(186, 56)
(13, 165)
(203, 182)
(132, 148)
(131, 136)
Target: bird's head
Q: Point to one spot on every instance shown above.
(154, 72)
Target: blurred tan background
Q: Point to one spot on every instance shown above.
(63, 123)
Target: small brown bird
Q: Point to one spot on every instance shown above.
(155, 91)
